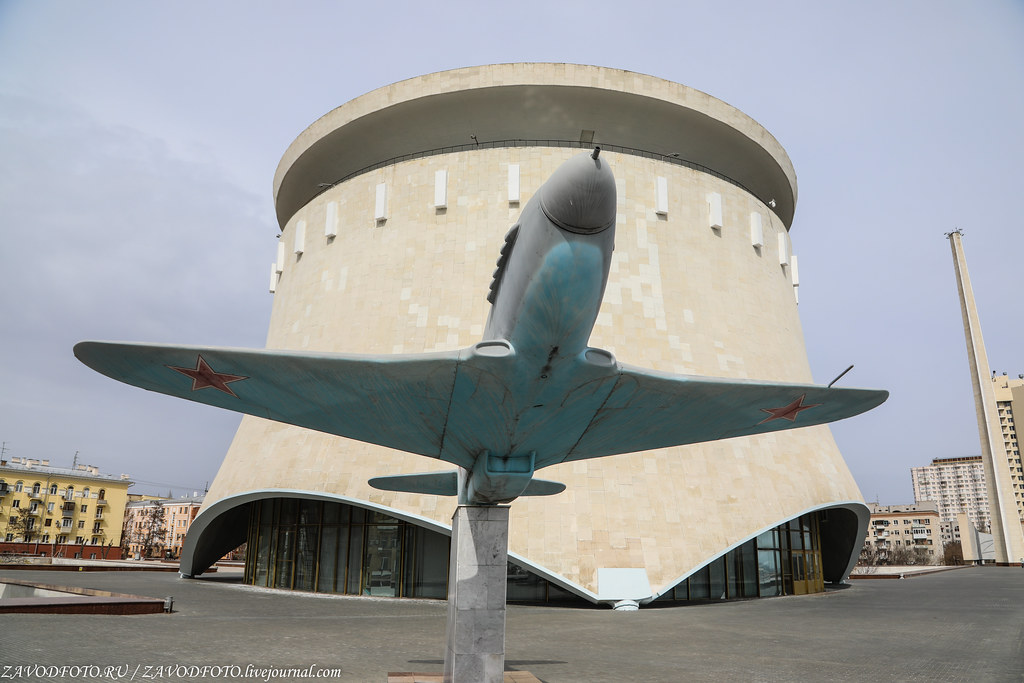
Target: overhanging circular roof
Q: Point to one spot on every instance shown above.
(535, 101)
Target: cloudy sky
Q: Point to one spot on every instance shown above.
(138, 143)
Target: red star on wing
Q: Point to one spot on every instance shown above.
(788, 412)
(203, 376)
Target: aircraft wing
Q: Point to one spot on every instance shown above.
(648, 409)
(398, 401)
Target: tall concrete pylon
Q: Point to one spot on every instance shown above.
(1007, 534)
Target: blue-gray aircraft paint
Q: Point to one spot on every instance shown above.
(530, 395)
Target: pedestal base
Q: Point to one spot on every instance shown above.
(477, 576)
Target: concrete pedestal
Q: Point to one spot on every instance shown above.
(476, 595)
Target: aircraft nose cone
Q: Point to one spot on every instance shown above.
(580, 195)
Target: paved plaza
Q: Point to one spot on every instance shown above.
(962, 625)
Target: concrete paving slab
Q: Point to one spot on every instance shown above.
(415, 677)
(966, 625)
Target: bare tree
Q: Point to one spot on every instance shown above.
(126, 534)
(909, 555)
(953, 553)
(20, 523)
(899, 555)
(871, 555)
(149, 531)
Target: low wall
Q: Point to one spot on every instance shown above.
(68, 550)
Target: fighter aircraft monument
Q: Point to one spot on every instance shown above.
(531, 394)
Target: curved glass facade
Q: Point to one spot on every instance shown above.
(783, 561)
(332, 547)
(338, 548)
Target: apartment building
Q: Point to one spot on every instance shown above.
(958, 486)
(1010, 394)
(915, 526)
(156, 527)
(62, 512)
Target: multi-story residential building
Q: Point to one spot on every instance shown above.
(958, 486)
(906, 526)
(1010, 394)
(179, 514)
(156, 527)
(951, 530)
(56, 511)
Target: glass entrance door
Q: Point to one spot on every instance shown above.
(380, 561)
(800, 583)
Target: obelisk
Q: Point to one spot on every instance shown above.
(1006, 528)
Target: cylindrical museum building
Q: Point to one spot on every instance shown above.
(393, 208)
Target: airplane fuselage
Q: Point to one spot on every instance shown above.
(546, 297)
(554, 276)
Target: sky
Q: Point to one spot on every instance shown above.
(138, 144)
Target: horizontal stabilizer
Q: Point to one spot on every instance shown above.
(446, 484)
(543, 487)
(432, 483)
